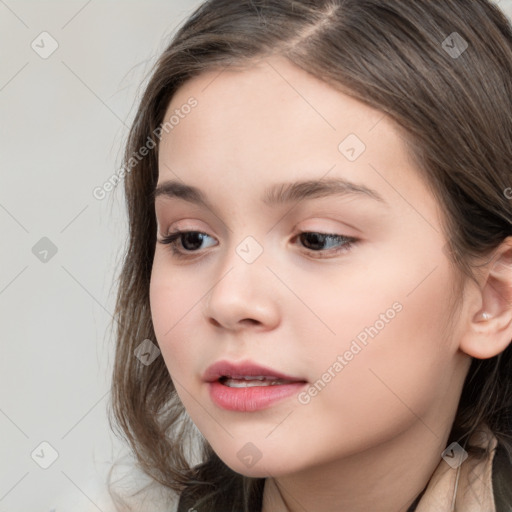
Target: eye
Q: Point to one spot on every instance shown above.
(313, 242)
(189, 240)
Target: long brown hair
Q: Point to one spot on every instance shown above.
(453, 105)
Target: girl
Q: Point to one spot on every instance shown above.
(317, 286)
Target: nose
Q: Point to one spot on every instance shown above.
(243, 295)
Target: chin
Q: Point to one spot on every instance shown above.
(260, 469)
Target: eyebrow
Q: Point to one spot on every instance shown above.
(277, 194)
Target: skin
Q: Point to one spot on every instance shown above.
(376, 431)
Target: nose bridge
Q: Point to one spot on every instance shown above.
(241, 291)
(244, 266)
(249, 250)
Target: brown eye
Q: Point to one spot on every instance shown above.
(190, 241)
(316, 242)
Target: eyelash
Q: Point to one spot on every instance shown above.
(172, 238)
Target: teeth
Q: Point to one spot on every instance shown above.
(249, 382)
(250, 377)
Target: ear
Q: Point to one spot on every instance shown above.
(489, 327)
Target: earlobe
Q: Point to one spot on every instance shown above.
(482, 316)
(489, 329)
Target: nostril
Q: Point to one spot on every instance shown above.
(250, 321)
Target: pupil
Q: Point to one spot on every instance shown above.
(186, 238)
(318, 240)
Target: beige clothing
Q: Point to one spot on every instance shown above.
(467, 488)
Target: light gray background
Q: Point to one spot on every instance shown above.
(63, 121)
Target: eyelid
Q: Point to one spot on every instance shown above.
(320, 225)
(189, 224)
(313, 225)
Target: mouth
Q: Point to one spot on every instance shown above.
(249, 387)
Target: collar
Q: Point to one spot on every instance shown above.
(466, 488)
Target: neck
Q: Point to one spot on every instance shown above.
(392, 474)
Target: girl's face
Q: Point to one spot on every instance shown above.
(361, 318)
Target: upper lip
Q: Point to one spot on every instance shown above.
(242, 369)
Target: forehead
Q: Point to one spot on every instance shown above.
(271, 121)
(267, 98)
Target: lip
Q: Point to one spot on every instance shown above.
(252, 398)
(244, 368)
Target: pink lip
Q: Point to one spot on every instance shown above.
(244, 368)
(251, 398)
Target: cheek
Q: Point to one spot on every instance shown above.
(172, 301)
(395, 361)
(391, 315)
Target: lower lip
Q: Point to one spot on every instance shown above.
(251, 399)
